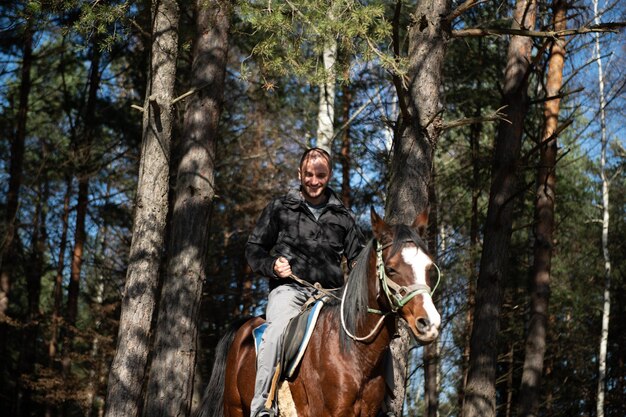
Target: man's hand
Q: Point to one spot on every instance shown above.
(282, 269)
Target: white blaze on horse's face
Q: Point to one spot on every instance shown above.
(420, 262)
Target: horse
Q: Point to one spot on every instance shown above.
(342, 371)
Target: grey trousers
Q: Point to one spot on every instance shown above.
(284, 303)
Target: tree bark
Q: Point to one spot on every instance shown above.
(414, 143)
(129, 366)
(544, 228)
(170, 386)
(413, 147)
(480, 391)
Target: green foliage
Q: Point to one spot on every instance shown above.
(293, 34)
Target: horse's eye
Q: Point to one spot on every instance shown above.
(390, 271)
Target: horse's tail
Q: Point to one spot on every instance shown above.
(212, 403)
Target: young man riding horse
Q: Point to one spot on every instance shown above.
(301, 235)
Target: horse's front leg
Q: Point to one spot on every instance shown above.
(372, 398)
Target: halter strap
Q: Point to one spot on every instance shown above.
(397, 295)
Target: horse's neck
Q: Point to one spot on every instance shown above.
(375, 348)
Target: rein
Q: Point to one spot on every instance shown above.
(316, 286)
(397, 295)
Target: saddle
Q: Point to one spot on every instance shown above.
(295, 338)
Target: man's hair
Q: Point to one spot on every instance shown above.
(315, 153)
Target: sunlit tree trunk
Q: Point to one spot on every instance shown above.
(346, 157)
(414, 143)
(544, 227)
(128, 370)
(480, 391)
(326, 110)
(170, 386)
(606, 305)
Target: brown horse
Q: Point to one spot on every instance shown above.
(341, 373)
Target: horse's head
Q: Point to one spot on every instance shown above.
(403, 265)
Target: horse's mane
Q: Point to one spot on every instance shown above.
(356, 297)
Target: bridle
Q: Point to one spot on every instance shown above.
(397, 295)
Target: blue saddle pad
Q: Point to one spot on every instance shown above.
(298, 334)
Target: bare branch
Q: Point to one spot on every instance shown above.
(468, 4)
(476, 32)
(559, 96)
(497, 115)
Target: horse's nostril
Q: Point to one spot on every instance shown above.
(422, 324)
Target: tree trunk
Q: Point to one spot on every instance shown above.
(326, 110)
(475, 134)
(544, 228)
(508, 407)
(606, 304)
(411, 163)
(7, 250)
(431, 351)
(58, 280)
(414, 143)
(480, 391)
(346, 158)
(82, 157)
(99, 362)
(34, 270)
(170, 386)
(142, 279)
(77, 252)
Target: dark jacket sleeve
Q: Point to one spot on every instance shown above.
(354, 243)
(261, 242)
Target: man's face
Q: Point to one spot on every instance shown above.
(314, 175)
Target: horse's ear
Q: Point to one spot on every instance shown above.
(379, 227)
(421, 221)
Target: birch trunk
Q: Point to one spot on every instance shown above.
(171, 381)
(606, 305)
(346, 153)
(140, 293)
(480, 391)
(326, 111)
(544, 228)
